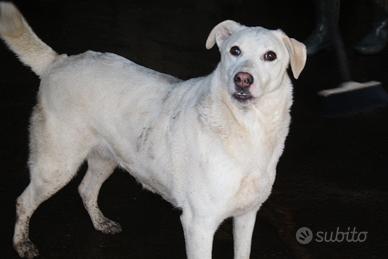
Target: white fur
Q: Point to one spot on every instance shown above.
(20, 38)
(190, 141)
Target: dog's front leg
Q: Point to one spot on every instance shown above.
(199, 232)
(243, 226)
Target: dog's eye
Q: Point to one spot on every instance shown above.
(235, 51)
(269, 56)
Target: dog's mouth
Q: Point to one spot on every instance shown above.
(242, 96)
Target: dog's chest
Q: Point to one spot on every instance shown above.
(256, 183)
(252, 192)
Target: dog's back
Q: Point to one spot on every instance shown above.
(97, 83)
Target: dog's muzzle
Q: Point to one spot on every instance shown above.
(242, 81)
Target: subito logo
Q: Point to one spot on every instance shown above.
(304, 235)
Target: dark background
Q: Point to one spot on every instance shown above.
(332, 174)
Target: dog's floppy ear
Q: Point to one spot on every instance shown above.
(220, 32)
(297, 52)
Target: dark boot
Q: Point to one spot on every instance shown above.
(375, 40)
(326, 12)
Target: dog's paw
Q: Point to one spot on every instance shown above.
(108, 226)
(26, 249)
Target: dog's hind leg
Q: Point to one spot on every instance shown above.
(99, 169)
(56, 153)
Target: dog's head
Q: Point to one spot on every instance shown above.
(254, 60)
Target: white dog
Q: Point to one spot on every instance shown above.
(208, 145)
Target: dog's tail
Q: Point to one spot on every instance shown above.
(20, 38)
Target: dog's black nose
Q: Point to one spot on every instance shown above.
(243, 79)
